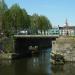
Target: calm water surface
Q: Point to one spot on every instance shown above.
(35, 65)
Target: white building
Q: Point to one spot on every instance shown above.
(67, 30)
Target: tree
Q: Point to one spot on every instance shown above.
(7, 23)
(26, 20)
(40, 23)
(3, 6)
(17, 17)
(44, 23)
(3, 9)
(34, 23)
(20, 18)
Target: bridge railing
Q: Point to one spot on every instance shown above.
(52, 32)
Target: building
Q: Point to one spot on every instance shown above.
(67, 30)
(63, 31)
(53, 31)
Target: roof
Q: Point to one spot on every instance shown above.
(69, 27)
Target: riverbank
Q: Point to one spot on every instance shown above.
(5, 56)
(6, 47)
(65, 46)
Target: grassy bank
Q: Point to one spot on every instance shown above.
(7, 47)
(6, 56)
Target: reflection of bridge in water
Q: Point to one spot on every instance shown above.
(22, 42)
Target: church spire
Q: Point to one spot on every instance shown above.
(66, 23)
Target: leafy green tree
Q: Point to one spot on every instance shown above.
(3, 6)
(34, 23)
(44, 23)
(12, 20)
(26, 20)
(3, 9)
(20, 18)
(7, 23)
(17, 17)
(40, 23)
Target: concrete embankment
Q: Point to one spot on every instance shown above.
(65, 46)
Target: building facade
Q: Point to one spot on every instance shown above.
(67, 30)
(53, 31)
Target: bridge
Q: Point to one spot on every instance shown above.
(22, 42)
(33, 40)
(36, 36)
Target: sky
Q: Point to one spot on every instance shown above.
(57, 11)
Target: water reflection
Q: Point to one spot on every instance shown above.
(67, 69)
(35, 65)
(6, 67)
(5, 62)
(57, 70)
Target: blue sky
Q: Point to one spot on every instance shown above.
(56, 10)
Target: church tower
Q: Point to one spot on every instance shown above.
(66, 25)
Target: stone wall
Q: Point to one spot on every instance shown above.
(65, 46)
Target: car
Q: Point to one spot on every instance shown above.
(23, 32)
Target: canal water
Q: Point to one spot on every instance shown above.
(35, 65)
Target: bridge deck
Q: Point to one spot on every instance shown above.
(40, 36)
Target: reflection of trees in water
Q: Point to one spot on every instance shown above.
(57, 69)
(66, 69)
(6, 67)
(5, 62)
(69, 68)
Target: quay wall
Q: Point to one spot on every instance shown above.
(64, 45)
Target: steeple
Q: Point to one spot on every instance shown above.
(66, 23)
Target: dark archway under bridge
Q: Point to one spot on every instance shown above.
(22, 42)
